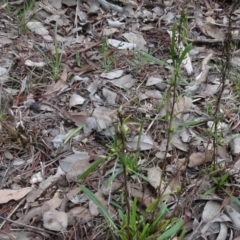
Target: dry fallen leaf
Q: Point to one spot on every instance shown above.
(154, 176)
(234, 215)
(183, 104)
(36, 192)
(196, 86)
(143, 142)
(9, 194)
(126, 81)
(38, 28)
(79, 214)
(112, 187)
(76, 99)
(113, 74)
(153, 80)
(212, 30)
(211, 210)
(37, 213)
(55, 220)
(67, 163)
(136, 39)
(199, 158)
(109, 95)
(79, 118)
(142, 198)
(121, 45)
(177, 142)
(60, 85)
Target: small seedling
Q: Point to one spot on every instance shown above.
(54, 60)
(219, 181)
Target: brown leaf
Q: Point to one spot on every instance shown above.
(9, 194)
(211, 30)
(55, 220)
(79, 118)
(144, 199)
(59, 85)
(199, 158)
(79, 214)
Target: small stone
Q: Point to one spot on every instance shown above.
(161, 86)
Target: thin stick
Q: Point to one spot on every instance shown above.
(27, 226)
(13, 211)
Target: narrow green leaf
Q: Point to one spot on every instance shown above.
(172, 231)
(234, 199)
(110, 179)
(71, 134)
(161, 213)
(189, 123)
(145, 231)
(134, 215)
(209, 191)
(78, 60)
(140, 175)
(151, 58)
(91, 169)
(152, 206)
(173, 41)
(184, 53)
(99, 205)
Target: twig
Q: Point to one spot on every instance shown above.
(28, 226)
(84, 50)
(13, 211)
(211, 41)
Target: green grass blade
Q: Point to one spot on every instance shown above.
(134, 215)
(145, 231)
(172, 231)
(185, 52)
(151, 58)
(189, 123)
(78, 59)
(234, 199)
(71, 134)
(100, 206)
(91, 169)
(110, 179)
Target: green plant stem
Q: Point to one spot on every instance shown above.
(178, 55)
(122, 147)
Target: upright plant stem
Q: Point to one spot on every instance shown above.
(226, 65)
(178, 55)
(121, 149)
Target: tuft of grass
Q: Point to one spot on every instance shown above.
(107, 63)
(53, 68)
(22, 14)
(54, 63)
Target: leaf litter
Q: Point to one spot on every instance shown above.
(39, 170)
